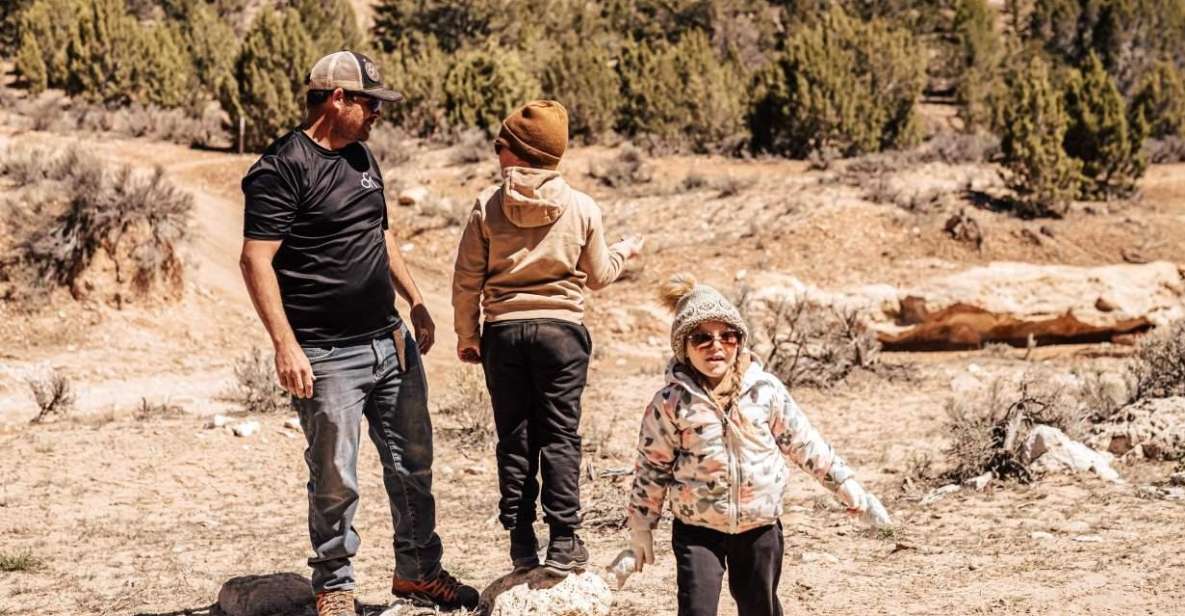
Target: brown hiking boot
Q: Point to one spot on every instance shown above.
(335, 603)
(442, 591)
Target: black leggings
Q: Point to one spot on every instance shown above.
(753, 560)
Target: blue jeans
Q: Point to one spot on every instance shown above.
(368, 380)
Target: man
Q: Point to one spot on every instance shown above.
(531, 249)
(322, 269)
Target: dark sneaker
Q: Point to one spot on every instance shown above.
(335, 603)
(524, 549)
(566, 554)
(443, 592)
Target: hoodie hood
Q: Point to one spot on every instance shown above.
(533, 197)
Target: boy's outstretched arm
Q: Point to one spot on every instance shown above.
(802, 444)
(603, 263)
(469, 276)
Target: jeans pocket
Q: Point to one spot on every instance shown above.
(317, 353)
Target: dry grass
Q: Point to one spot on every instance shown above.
(466, 406)
(1158, 369)
(54, 396)
(25, 561)
(627, 169)
(256, 390)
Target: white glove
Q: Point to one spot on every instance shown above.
(642, 542)
(864, 504)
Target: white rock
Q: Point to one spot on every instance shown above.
(218, 421)
(979, 483)
(1087, 538)
(407, 247)
(538, 593)
(938, 494)
(1048, 449)
(245, 429)
(413, 196)
(814, 557)
(265, 595)
(292, 423)
(965, 383)
(1040, 535)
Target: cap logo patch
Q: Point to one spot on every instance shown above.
(372, 71)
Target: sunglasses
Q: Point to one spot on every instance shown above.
(728, 338)
(370, 102)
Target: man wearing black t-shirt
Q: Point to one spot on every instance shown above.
(322, 269)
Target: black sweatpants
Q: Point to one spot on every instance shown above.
(536, 370)
(753, 560)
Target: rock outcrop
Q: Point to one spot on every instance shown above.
(1152, 428)
(538, 593)
(1048, 449)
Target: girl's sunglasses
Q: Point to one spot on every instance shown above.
(728, 338)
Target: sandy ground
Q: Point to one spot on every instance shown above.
(133, 515)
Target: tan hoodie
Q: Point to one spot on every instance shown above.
(529, 250)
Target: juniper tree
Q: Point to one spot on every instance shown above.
(1098, 133)
(979, 54)
(483, 86)
(1160, 99)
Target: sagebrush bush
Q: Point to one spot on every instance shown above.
(482, 87)
(1034, 126)
(256, 390)
(806, 343)
(842, 83)
(1158, 369)
(466, 405)
(627, 168)
(1160, 99)
(1099, 136)
(54, 395)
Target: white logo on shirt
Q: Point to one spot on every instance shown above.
(368, 182)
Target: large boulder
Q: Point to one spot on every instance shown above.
(1151, 428)
(538, 593)
(1003, 302)
(278, 594)
(1048, 449)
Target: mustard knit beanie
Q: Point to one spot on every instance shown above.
(537, 132)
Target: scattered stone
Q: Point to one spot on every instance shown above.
(292, 423)
(979, 483)
(1087, 538)
(1040, 535)
(815, 557)
(413, 196)
(1048, 449)
(245, 429)
(407, 247)
(938, 494)
(1177, 479)
(538, 593)
(1155, 426)
(219, 421)
(266, 595)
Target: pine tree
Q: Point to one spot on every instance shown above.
(1042, 175)
(483, 86)
(30, 64)
(104, 53)
(582, 77)
(270, 71)
(331, 24)
(210, 43)
(165, 75)
(979, 56)
(1099, 136)
(1160, 98)
(52, 24)
(417, 70)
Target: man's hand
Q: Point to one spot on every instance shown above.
(425, 328)
(468, 353)
(630, 246)
(294, 371)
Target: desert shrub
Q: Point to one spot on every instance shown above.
(1158, 368)
(1098, 134)
(481, 87)
(683, 93)
(12, 562)
(137, 220)
(256, 390)
(467, 407)
(1042, 175)
(270, 72)
(806, 343)
(693, 181)
(583, 79)
(978, 57)
(988, 428)
(471, 146)
(1167, 150)
(31, 66)
(627, 168)
(417, 71)
(386, 143)
(729, 186)
(148, 410)
(842, 83)
(1160, 99)
(964, 228)
(919, 471)
(53, 394)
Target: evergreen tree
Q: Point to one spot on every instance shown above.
(165, 75)
(1042, 175)
(51, 24)
(1099, 136)
(978, 60)
(331, 24)
(483, 86)
(30, 64)
(582, 77)
(104, 53)
(417, 70)
(452, 24)
(210, 43)
(274, 60)
(1160, 99)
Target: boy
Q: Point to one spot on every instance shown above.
(530, 250)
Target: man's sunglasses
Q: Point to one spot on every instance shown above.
(728, 338)
(371, 103)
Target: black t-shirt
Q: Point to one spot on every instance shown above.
(328, 208)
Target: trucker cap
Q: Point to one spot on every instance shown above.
(352, 72)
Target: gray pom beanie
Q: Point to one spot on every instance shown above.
(694, 304)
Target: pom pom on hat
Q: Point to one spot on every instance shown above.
(674, 290)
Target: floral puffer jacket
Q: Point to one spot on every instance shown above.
(725, 472)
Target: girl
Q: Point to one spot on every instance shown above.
(716, 438)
